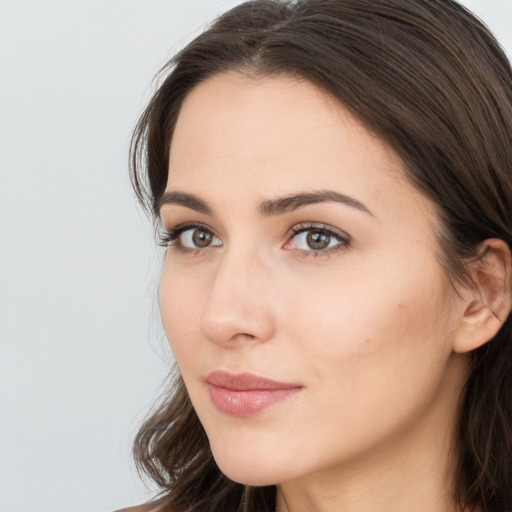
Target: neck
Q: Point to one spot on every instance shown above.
(394, 484)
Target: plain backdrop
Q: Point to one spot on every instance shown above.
(82, 355)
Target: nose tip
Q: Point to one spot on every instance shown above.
(229, 321)
(227, 331)
(237, 309)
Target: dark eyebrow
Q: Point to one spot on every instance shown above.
(270, 207)
(183, 199)
(295, 201)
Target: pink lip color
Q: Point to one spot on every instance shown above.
(245, 394)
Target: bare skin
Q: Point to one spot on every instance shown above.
(367, 326)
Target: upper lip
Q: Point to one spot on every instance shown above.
(245, 381)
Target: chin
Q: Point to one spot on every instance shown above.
(248, 475)
(246, 470)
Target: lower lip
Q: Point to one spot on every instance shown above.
(247, 402)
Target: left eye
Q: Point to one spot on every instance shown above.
(316, 239)
(190, 238)
(197, 238)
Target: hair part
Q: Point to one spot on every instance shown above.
(429, 79)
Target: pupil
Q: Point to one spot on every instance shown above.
(317, 240)
(201, 238)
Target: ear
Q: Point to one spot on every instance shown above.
(488, 301)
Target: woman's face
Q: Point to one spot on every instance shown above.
(301, 292)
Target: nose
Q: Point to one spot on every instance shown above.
(239, 306)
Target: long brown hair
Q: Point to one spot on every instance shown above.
(429, 79)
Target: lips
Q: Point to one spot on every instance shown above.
(246, 394)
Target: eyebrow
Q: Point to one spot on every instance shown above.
(182, 199)
(295, 201)
(270, 207)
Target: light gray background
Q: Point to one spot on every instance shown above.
(80, 361)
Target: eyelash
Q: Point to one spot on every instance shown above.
(171, 238)
(342, 238)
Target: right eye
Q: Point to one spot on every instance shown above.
(191, 238)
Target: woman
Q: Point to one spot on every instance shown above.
(332, 179)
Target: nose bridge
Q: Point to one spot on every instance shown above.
(237, 307)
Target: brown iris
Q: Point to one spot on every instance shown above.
(202, 238)
(317, 241)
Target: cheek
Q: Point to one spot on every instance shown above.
(371, 325)
(373, 361)
(180, 307)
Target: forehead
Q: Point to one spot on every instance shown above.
(265, 137)
(291, 109)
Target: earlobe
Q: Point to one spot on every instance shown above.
(488, 301)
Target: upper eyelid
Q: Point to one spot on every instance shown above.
(185, 226)
(293, 231)
(301, 226)
(177, 230)
(315, 226)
